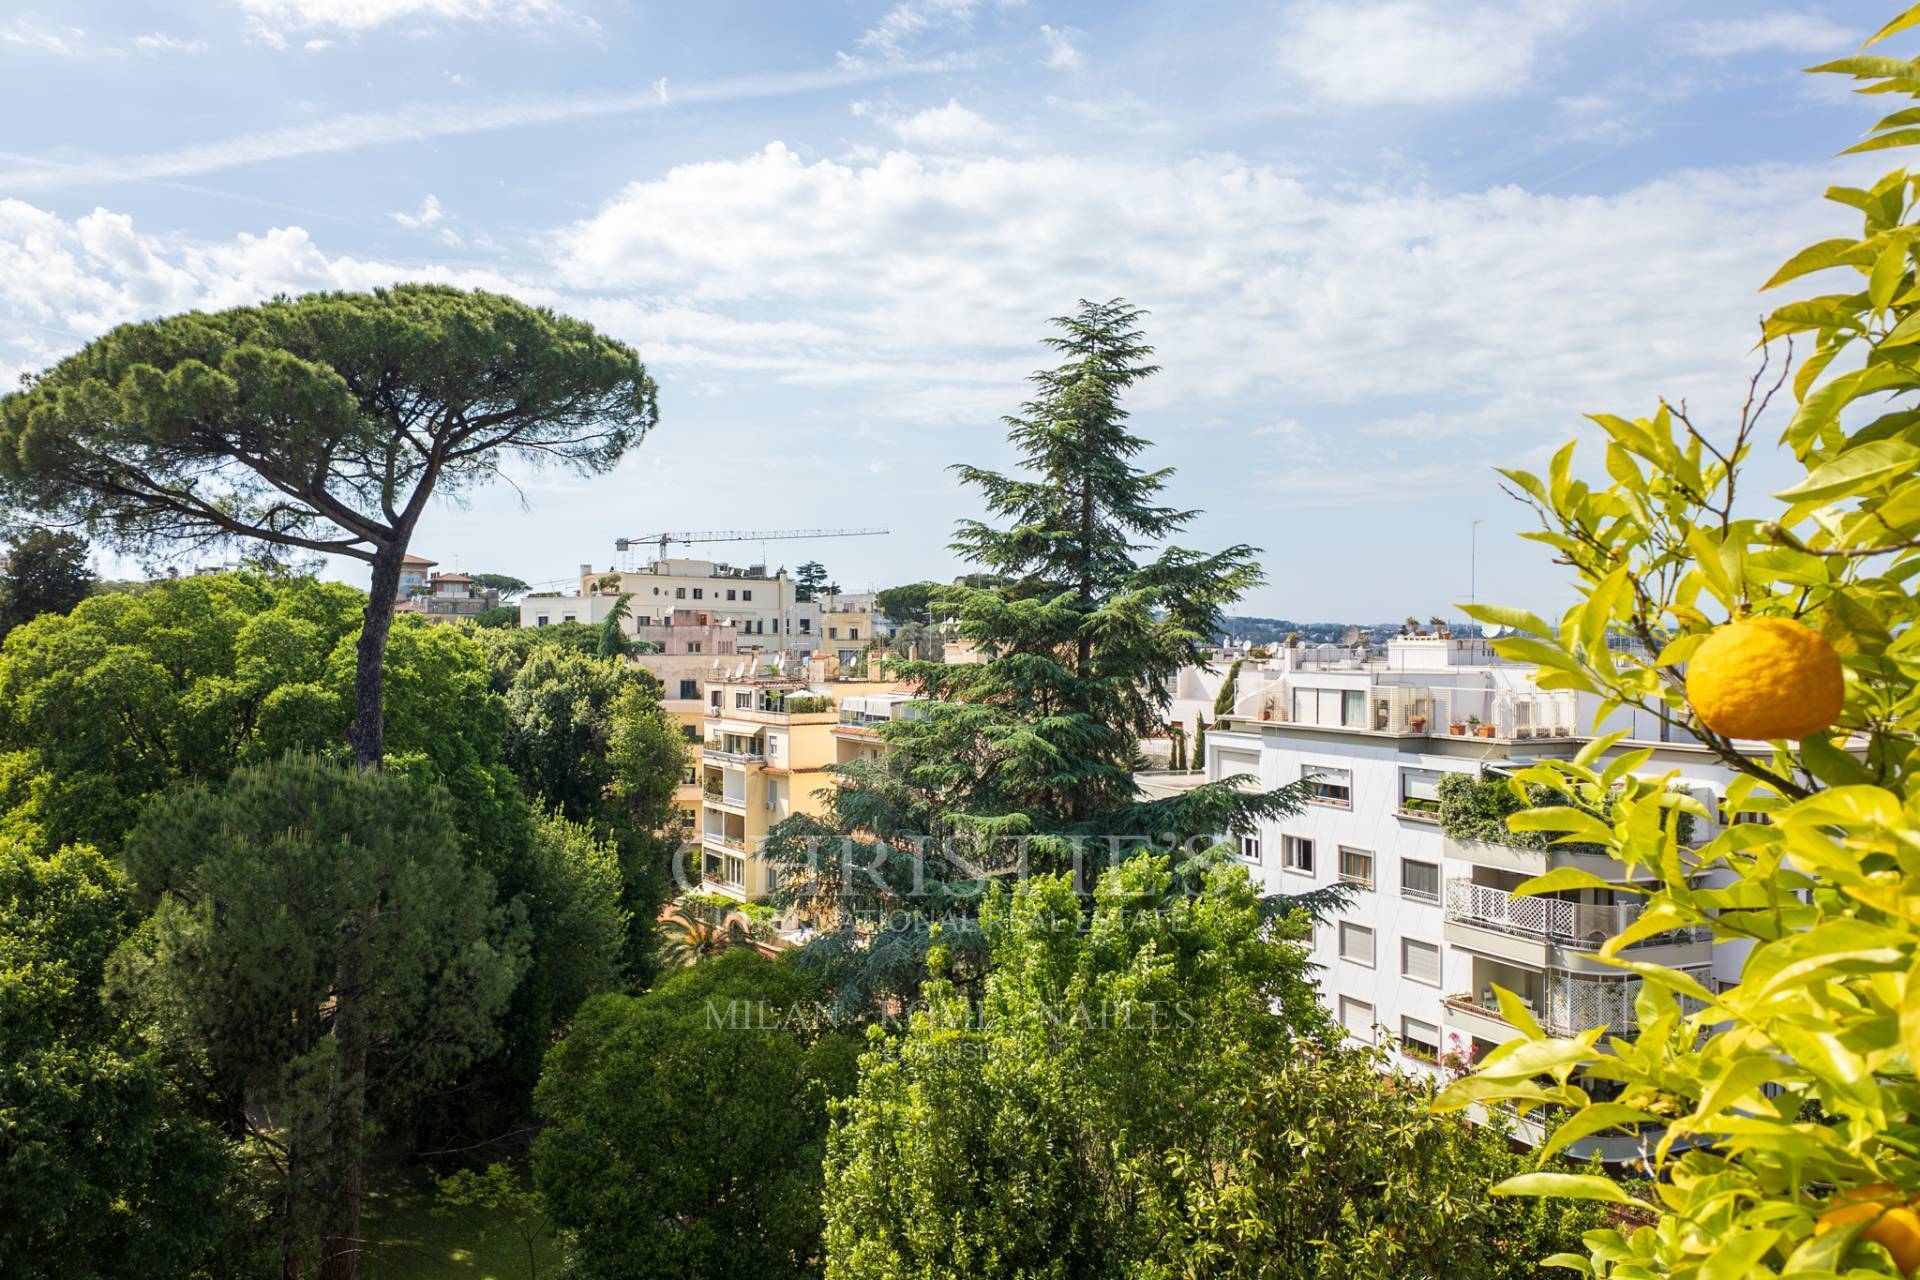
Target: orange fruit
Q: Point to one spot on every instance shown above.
(1891, 1224)
(1766, 678)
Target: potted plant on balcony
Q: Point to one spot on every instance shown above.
(1457, 728)
(1440, 627)
(1417, 723)
(1480, 730)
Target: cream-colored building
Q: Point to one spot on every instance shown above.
(768, 743)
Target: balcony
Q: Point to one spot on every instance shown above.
(1579, 925)
(1563, 1004)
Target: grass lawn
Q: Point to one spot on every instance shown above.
(408, 1240)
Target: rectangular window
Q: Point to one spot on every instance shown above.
(691, 732)
(1329, 785)
(742, 701)
(1353, 708)
(776, 626)
(689, 688)
(1357, 1017)
(729, 593)
(1420, 961)
(1356, 867)
(679, 593)
(539, 619)
(1419, 880)
(1296, 854)
(806, 626)
(1250, 848)
(696, 593)
(833, 633)
(566, 617)
(746, 594)
(1420, 794)
(693, 646)
(1420, 1039)
(1356, 943)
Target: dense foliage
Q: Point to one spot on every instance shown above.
(324, 423)
(46, 572)
(1792, 1093)
(1154, 1090)
(684, 1127)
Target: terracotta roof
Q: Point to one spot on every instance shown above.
(411, 558)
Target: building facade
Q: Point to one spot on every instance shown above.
(448, 597)
(1433, 925)
(762, 611)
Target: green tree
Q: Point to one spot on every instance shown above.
(1788, 1101)
(614, 641)
(323, 423)
(911, 602)
(106, 1170)
(503, 1195)
(1229, 690)
(46, 572)
(1050, 1129)
(684, 1128)
(319, 948)
(505, 615)
(809, 580)
(505, 583)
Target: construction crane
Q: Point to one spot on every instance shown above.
(737, 535)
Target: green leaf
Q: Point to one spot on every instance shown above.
(1817, 257)
(1566, 879)
(1513, 619)
(1591, 1120)
(1571, 1261)
(1577, 824)
(1853, 472)
(1567, 1186)
(1739, 1255)
(1888, 269)
(1517, 1014)
(1905, 21)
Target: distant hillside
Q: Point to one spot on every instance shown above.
(1274, 630)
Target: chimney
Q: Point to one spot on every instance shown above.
(586, 570)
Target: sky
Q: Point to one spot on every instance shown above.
(1385, 245)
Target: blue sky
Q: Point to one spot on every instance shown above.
(1387, 244)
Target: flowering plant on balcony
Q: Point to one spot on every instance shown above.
(1788, 1104)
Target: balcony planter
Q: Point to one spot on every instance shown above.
(1417, 723)
(1483, 731)
(1457, 729)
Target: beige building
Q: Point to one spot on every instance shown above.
(768, 743)
(448, 597)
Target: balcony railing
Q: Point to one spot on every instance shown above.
(1581, 925)
(1565, 1005)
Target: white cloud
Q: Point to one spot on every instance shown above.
(410, 123)
(28, 36)
(931, 275)
(160, 42)
(430, 213)
(1786, 31)
(273, 19)
(1377, 52)
(900, 26)
(1062, 53)
(948, 128)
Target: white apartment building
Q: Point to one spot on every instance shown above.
(761, 609)
(1433, 926)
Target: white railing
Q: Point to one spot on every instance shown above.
(1575, 924)
(1566, 1005)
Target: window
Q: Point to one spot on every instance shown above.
(1420, 1039)
(693, 646)
(833, 633)
(729, 593)
(689, 688)
(715, 695)
(1250, 847)
(1357, 1017)
(1329, 786)
(806, 626)
(745, 594)
(853, 633)
(1420, 794)
(776, 626)
(1353, 708)
(539, 619)
(1420, 961)
(566, 617)
(1420, 880)
(742, 700)
(1343, 708)
(679, 593)
(1296, 854)
(691, 732)
(696, 593)
(1356, 867)
(1356, 943)
(773, 794)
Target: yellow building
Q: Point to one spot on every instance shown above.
(768, 744)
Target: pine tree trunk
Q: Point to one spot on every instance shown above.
(368, 736)
(340, 1244)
